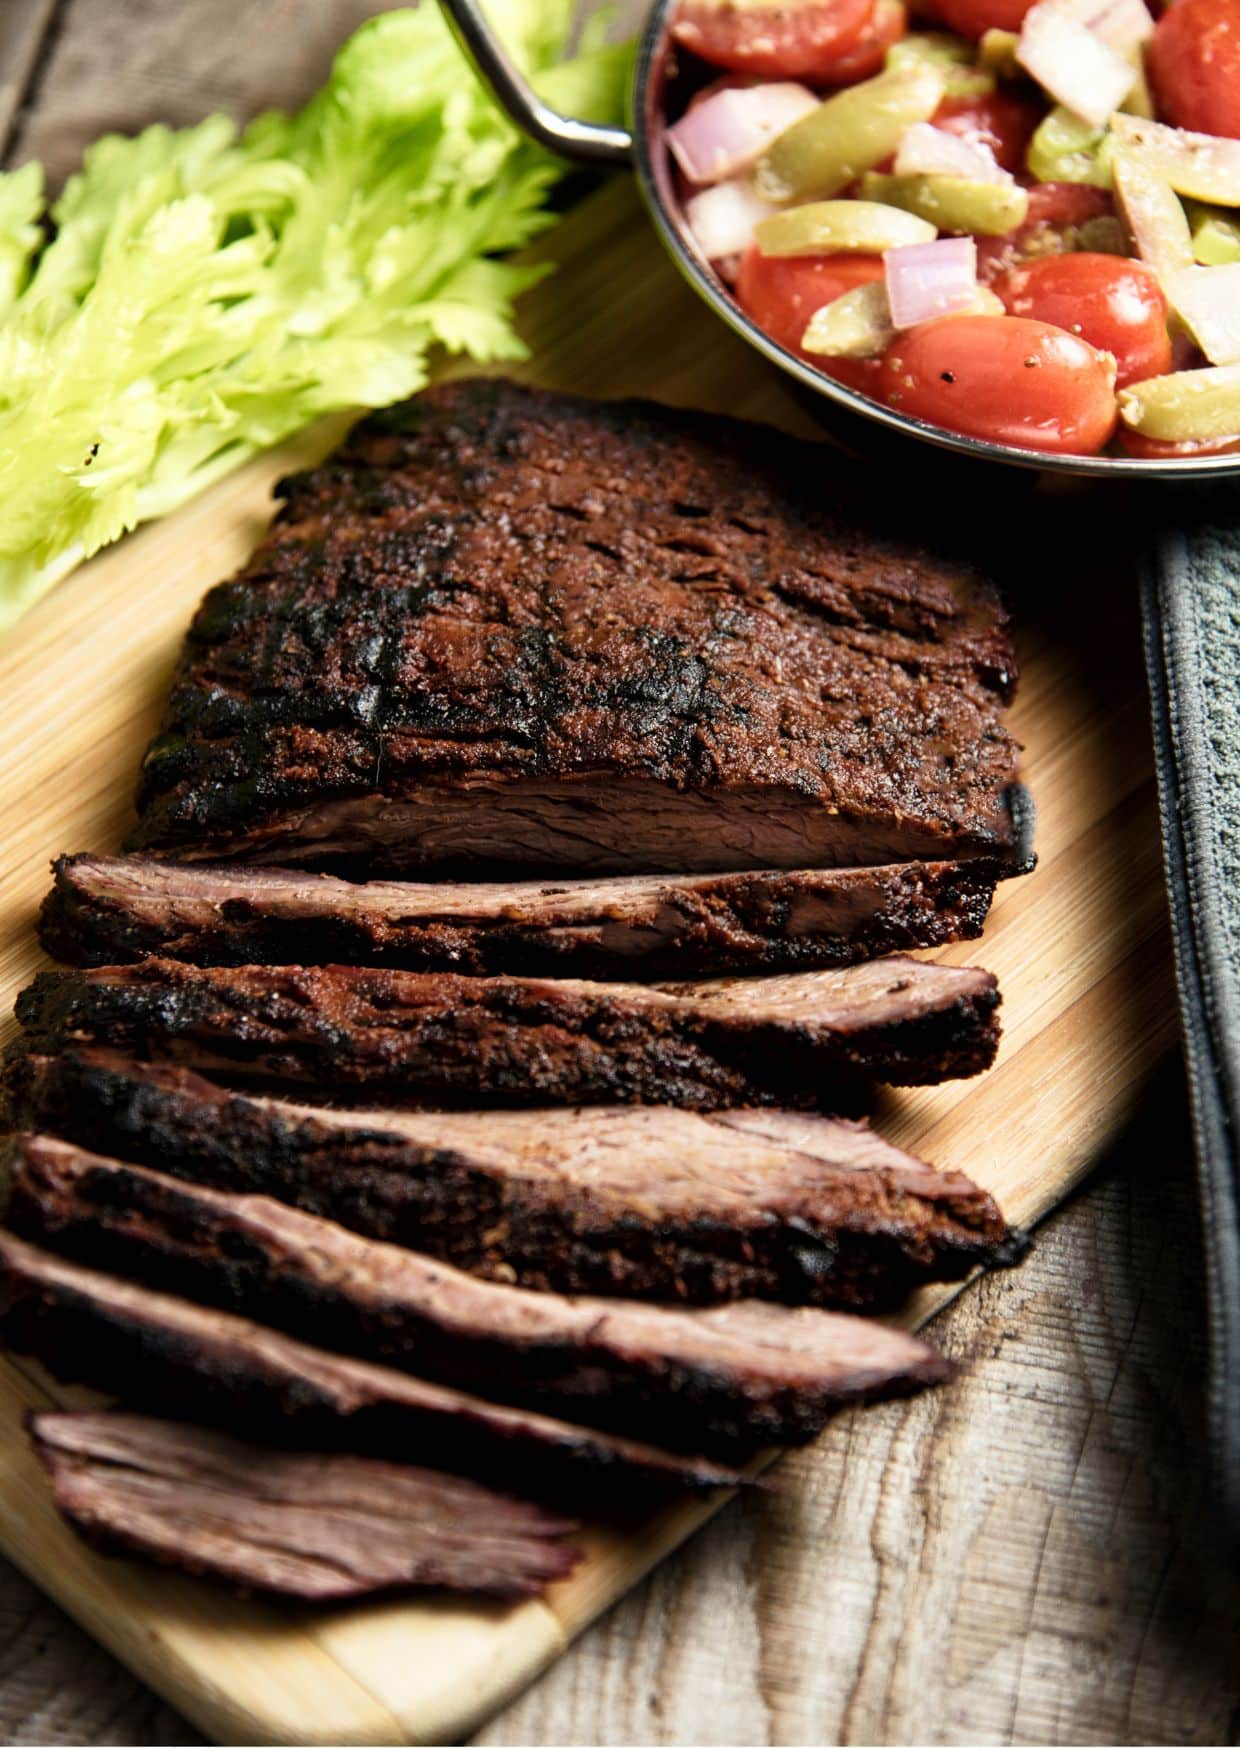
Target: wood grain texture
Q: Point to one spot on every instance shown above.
(1057, 1593)
(1079, 949)
(1007, 1561)
(1021, 1559)
(26, 33)
(113, 67)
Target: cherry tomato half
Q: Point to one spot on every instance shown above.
(1000, 121)
(790, 39)
(1194, 65)
(973, 18)
(781, 294)
(1115, 304)
(887, 25)
(1003, 379)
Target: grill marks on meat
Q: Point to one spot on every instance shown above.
(321, 1527)
(736, 1376)
(522, 1040)
(647, 1202)
(107, 910)
(504, 628)
(184, 1359)
(511, 632)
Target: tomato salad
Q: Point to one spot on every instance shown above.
(1014, 219)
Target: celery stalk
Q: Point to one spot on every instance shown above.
(207, 292)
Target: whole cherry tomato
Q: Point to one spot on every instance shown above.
(1001, 121)
(1003, 379)
(973, 18)
(887, 25)
(782, 293)
(792, 39)
(1194, 65)
(1115, 304)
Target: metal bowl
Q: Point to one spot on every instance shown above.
(641, 148)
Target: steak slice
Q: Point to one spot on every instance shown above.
(318, 1526)
(803, 1038)
(733, 1377)
(103, 910)
(648, 1202)
(157, 1351)
(509, 629)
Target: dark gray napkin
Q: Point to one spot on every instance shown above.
(1191, 607)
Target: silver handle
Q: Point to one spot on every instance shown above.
(588, 141)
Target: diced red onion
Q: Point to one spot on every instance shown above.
(931, 151)
(1120, 23)
(724, 134)
(1207, 301)
(722, 218)
(925, 280)
(1076, 67)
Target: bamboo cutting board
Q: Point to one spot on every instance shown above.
(1080, 949)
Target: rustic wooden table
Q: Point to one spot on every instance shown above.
(1025, 1558)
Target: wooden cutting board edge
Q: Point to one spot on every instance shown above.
(431, 1670)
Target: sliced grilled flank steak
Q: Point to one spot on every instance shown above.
(105, 910)
(652, 1202)
(504, 628)
(720, 1380)
(318, 1526)
(798, 1038)
(166, 1353)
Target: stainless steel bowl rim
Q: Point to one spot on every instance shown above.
(642, 147)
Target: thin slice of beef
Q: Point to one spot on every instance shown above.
(802, 1038)
(723, 1380)
(650, 1202)
(156, 1351)
(317, 1526)
(505, 628)
(105, 910)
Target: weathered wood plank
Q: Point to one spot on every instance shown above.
(1017, 1560)
(25, 27)
(121, 66)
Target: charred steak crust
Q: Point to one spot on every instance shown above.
(503, 627)
(110, 910)
(320, 1527)
(725, 1380)
(647, 1203)
(794, 1039)
(166, 1353)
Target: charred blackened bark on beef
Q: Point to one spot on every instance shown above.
(649, 1202)
(108, 910)
(720, 1380)
(507, 629)
(165, 1353)
(807, 1038)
